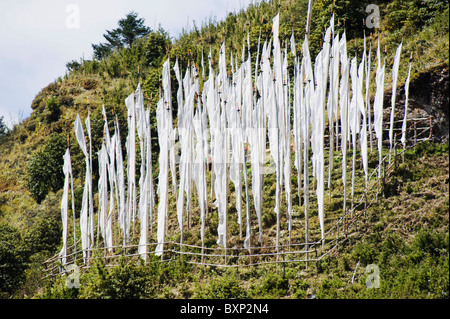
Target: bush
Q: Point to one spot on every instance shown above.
(365, 253)
(89, 84)
(269, 218)
(125, 282)
(67, 100)
(3, 127)
(275, 285)
(431, 243)
(53, 109)
(44, 235)
(226, 287)
(300, 288)
(330, 288)
(45, 169)
(12, 261)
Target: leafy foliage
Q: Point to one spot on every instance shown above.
(45, 168)
(73, 65)
(225, 287)
(3, 127)
(53, 109)
(12, 262)
(130, 28)
(44, 235)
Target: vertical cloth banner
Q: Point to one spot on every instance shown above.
(110, 167)
(393, 96)
(362, 109)
(162, 119)
(89, 180)
(343, 104)
(143, 132)
(199, 167)
(166, 142)
(85, 244)
(67, 169)
(403, 139)
(120, 177)
(378, 106)
(103, 190)
(131, 165)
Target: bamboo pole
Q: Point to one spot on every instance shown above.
(247, 203)
(306, 184)
(278, 186)
(73, 204)
(308, 22)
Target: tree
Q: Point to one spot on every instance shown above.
(45, 168)
(73, 65)
(130, 28)
(101, 50)
(3, 127)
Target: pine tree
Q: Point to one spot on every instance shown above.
(3, 127)
(130, 28)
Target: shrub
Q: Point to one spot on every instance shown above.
(300, 288)
(44, 235)
(89, 84)
(275, 285)
(12, 262)
(330, 288)
(67, 100)
(431, 243)
(3, 127)
(226, 287)
(269, 218)
(53, 109)
(365, 253)
(45, 169)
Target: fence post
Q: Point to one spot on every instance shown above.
(431, 128)
(395, 152)
(415, 134)
(383, 176)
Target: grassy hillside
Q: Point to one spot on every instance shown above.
(406, 233)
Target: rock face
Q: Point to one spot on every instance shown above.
(428, 95)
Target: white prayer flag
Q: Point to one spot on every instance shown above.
(378, 106)
(163, 137)
(84, 214)
(131, 165)
(102, 190)
(64, 205)
(403, 139)
(395, 67)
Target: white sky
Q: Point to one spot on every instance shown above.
(36, 42)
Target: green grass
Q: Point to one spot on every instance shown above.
(408, 242)
(415, 198)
